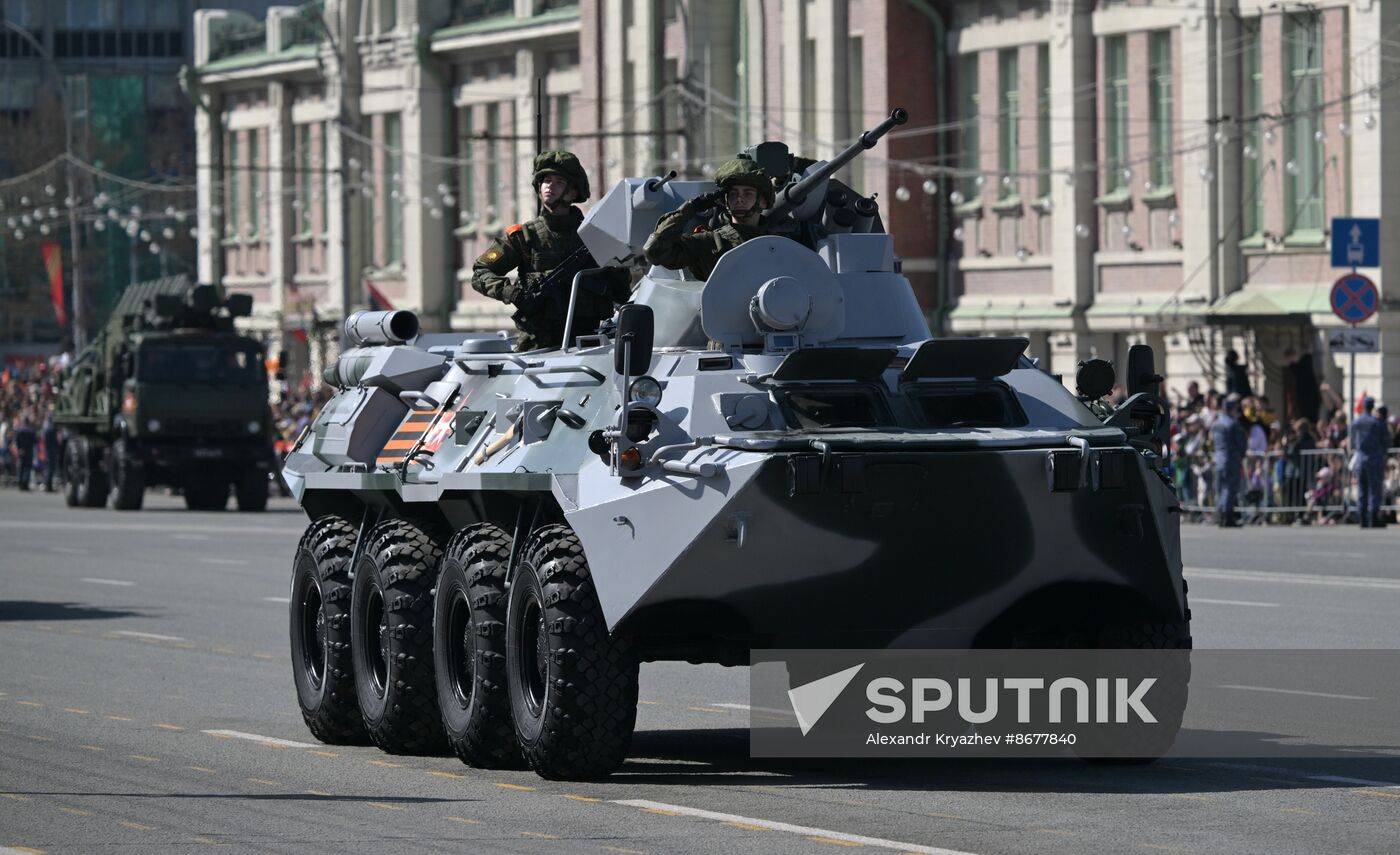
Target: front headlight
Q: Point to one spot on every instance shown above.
(254, 426)
(153, 425)
(646, 390)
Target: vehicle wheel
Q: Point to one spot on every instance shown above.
(573, 685)
(128, 478)
(1137, 744)
(86, 475)
(206, 495)
(73, 474)
(392, 639)
(469, 648)
(251, 491)
(320, 632)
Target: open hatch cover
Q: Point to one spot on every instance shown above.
(862, 364)
(979, 358)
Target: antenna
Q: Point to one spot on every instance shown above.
(539, 115)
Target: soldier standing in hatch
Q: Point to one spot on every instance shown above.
(745, 189)
(536, 248)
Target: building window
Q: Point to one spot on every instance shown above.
(1160, 51)
(855, 103)
(561, 121)
(1042, 62)
(809, 95)
(493, 163)
(231, 185)
(1252, 202)
(302, 142)
(388, 15)
(971, 121)
(323, 163)
(1009, 156)
(1302, 49)
(255, 182)
(1116, 111)
(393, 208)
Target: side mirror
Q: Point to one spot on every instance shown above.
(239, 305)
(635, 325)
(1142, 371)
(1094, 379)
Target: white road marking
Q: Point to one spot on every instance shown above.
(747, 708)
(118, 582)
(266, 740)
(189, 537)
(233, 561)
(1195, 600)
(1293, 578)
(1280, 770)
(68, 550)
(278, 599)
(5, 850)
(150, 635)
(807, 831)
(1298, 692)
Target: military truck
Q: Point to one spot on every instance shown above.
(781, 456)
(168, 393)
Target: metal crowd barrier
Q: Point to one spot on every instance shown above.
(1312, 486)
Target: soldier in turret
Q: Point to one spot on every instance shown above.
(745, 190)
(544, 246)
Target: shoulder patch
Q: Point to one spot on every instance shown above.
(515, 228)
(490, 255)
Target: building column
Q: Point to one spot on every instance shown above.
(1073, 144)
(280, 183)
(209, 150)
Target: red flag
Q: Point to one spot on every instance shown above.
(299, 335)
(1359, 409)
(53, 263)
(377, 301)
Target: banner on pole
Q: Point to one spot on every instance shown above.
(53, 263)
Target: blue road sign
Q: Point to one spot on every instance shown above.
(1355, 298)
(1356, 242)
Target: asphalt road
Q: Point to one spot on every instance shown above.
(146, 705)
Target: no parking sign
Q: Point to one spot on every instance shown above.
(1355, 298)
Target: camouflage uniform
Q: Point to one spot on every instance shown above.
(670, 245)
(536, 248)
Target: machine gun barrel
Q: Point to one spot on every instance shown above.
(654, 184)
(792, 195)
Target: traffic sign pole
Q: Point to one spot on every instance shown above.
(1354, 300)
(1351, 401)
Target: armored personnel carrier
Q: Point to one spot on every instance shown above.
(168, 393)
(779, 456)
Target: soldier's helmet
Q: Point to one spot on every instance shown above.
(564, 164)
(746, 173)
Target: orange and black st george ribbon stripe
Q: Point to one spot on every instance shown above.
(410, 431)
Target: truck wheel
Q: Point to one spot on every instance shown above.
(251, 491)
(87, 478)
(73, 475)
(573, 685)
(320, 632)
(1137, 744)
(469, 648)
(392, 639)
(128, 478)
(206, 495)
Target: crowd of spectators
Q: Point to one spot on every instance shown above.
(1297, 466)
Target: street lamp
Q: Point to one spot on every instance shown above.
(72, 195)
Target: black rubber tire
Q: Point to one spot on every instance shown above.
(87, 475)
(206, 495)
(1143, 744)
(469, 648)
(128, 478)
(251, 491)
(392, 639)
(573, 685)
(320, 632)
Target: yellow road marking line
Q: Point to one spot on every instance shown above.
(384, 763)
(28, 704)
(29, 849)
(262, 655)
(704, 709)
(650, 703)
(40, 738)
(581, 798)
(1378, 793)
(92, 747)
(136, 825)
(463, 820)
(169, 726)
(208, 840)
(76, 711)
(321, 793)
(746, 826)
(116, 718)
(446, 775)
(833, 841)
(325, 753)
(144, 758)
(662, 811)
(200, 768)
(16, 797)
(514, 787)
(623, 851)
(75, 811)
(264, 781)
(384, 806)
(540, 834)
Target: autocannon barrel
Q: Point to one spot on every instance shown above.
(394, 327)
(792, 195)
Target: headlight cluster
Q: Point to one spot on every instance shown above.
(646, 390)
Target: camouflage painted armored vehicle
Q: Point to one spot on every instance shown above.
(779, 456)
(168, 393)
